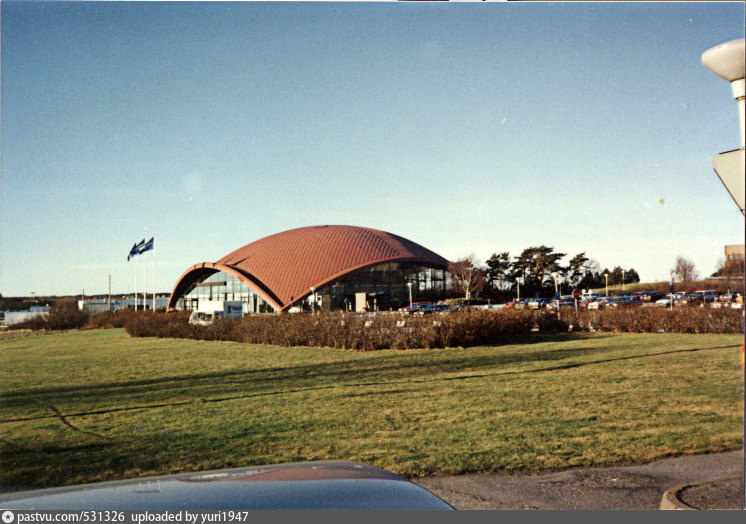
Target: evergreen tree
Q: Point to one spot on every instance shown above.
(498, 267)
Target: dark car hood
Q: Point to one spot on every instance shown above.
(305, 485)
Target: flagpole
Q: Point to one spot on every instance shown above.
(137, 270)
(153, 272)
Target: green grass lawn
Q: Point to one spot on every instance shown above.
(98, 405)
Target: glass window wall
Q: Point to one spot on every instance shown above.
(220, 287)
(387, 285)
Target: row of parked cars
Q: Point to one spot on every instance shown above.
(708, 297)
(640, 298)
(426, 308)
(598, 301)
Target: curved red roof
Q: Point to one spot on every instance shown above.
(283, 267)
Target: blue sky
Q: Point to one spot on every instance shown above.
(468, 128)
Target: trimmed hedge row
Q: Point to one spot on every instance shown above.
(462, 329)
(657, 320)
(359, 332)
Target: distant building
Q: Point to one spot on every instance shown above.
(734, 253)
(10, 318)
(98, 305)
(39, 309)
(733, 267)
(93, 306)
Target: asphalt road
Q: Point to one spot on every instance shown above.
(632, 487)
(724, 494)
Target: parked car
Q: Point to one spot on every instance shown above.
(231, 309)
(691, 299)
(583, 302)
(728, 296)
(666, 301)
(433, 308)
(416, 306)
(596, 303)
(628, 300)
(205, 318)
(538, 303)
(651, 296)
(564, 302)
(709, 295)
(603, 302)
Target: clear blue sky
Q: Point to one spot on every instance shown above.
(468, 128)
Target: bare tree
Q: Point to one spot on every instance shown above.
(467, 277)
(685, 270)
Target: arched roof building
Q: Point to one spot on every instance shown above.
(282, 268)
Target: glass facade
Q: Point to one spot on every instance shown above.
(385, 286)
(220, 287)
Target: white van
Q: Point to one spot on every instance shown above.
(205, 318)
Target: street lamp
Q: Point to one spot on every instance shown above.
(670, 290)
(556, 293)
(606, 275)
(727, 61)
(313, 300)
(409, 285)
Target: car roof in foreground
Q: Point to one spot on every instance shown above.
(299, 486)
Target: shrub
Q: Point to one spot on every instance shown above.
(37, 323)
(344, 331)
(159, 324)
(111, 319)
(64, 314)
(460, 329)
(549, 322)
(656, 320)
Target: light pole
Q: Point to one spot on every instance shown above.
(670, 290)
(313, 300)
(606, 275)
(622, 280)
(409, 285)
(727, 61)
(518, 286)
(556, 292)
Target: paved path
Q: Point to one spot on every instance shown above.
(632, 487)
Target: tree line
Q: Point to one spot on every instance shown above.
(536, 270)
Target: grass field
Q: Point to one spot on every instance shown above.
(98, 405)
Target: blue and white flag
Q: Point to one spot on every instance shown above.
(148, 245)
(136, 249)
